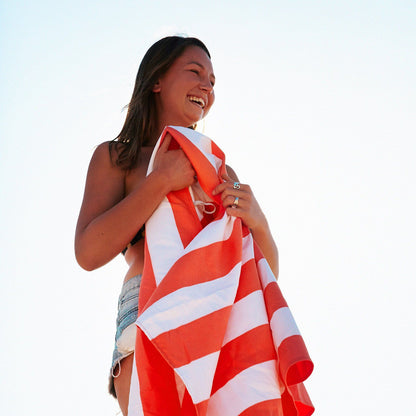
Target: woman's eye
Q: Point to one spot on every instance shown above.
(195, 71)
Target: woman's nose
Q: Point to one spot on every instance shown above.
(207, 86)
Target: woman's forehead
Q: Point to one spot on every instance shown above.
(196, 55)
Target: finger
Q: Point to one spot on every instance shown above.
(231, 195)
(166, 142)
(227, 188)
(234, 212)
(232, 200)
(218, 189)
(233, 182)
(226, 177)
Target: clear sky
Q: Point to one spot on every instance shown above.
(315, 108)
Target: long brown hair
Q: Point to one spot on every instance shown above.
(142, 118)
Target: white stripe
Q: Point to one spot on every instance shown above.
(265, 272)
(197, 210)
(215, 231)
(197, 376)
(283, 325)
(135, 407)
(189, 303)
(203, 143)
(253, 385)
(152, 157)
(162, 236)
(248, 249)
(246, 314)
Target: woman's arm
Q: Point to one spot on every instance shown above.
(251, 214)
(108, 219)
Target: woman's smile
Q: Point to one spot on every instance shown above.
(197, 100)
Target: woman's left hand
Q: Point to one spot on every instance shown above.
(239, 201)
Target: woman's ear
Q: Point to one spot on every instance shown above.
(156, 87)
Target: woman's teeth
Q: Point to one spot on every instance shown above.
(198, 101)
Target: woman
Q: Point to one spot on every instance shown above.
(174, 86)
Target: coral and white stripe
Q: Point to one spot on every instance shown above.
(211, 312)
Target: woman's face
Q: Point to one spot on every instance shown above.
(185, 93)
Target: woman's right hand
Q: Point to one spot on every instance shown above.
(174, 166)
(109, 219)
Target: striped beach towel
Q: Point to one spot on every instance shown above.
(215, 336)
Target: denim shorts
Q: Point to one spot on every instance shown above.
(125, 326)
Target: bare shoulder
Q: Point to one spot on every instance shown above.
(105, 156)
(137, 174)
(104, 185)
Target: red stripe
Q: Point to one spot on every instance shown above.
(186, 218)
(295, 363)
(247, 284)
(206, 173)
(217, 152)
(246, 232)
(304, 409)
(188, 407)
(155, 376)
(253, 347)
(200, 266)
(266, 408)
(288, 405)
(195, 339)
(274, 299)
(201, 408)
(257, 252)
(148, 282)
(294, 407)
(301, 399)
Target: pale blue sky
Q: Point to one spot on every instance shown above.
(315, 109)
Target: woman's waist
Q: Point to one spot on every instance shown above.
(135, 259)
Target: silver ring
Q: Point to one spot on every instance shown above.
(236, 185)
(235, 203)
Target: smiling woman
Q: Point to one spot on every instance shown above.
(185, 93)
(174, 86)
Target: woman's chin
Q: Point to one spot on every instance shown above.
(195, 116)
(189, 120)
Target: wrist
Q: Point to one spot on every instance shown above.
(261, 227)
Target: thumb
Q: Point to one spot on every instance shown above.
(166, 142)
